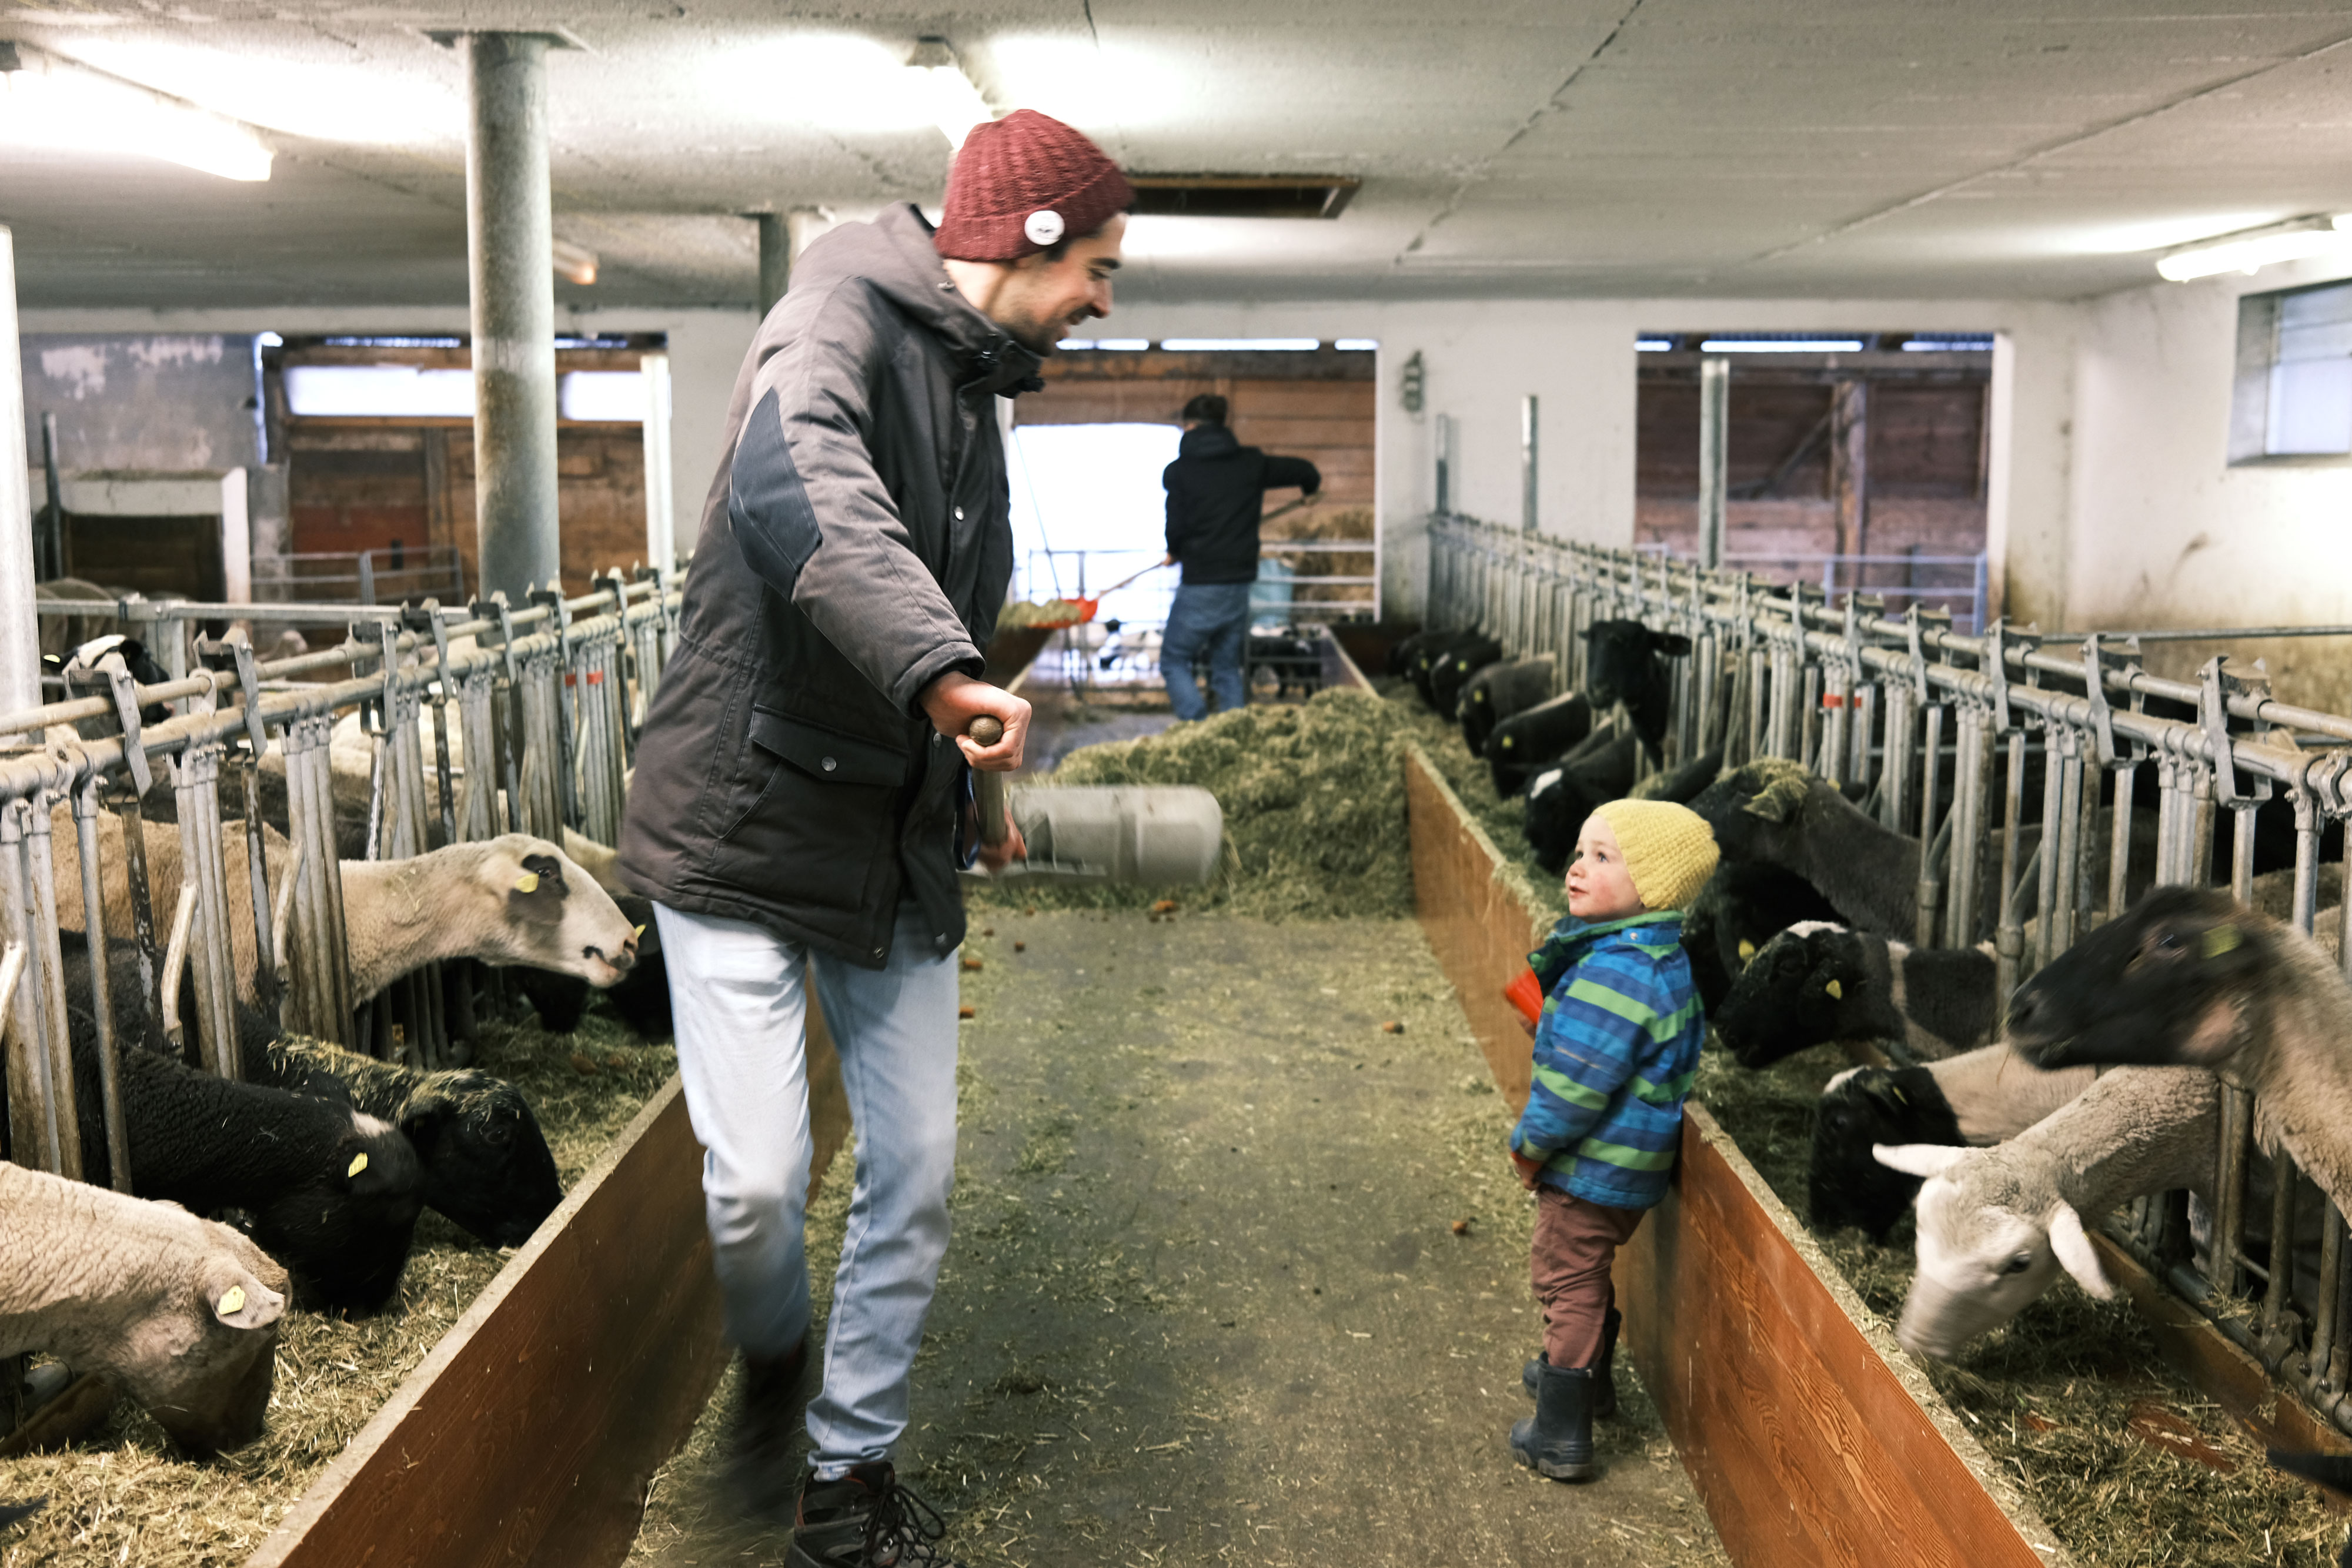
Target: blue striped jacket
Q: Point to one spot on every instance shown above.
(1616, 1050)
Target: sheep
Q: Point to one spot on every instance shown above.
(1430, 647)
(1406, 651)
(1778, 813)
(1977, 1097)
(333, 1193)
(1452, 670)
(1818, 982)
(1742, 907)
(642, 996)
(2190, 976)
(1996, 1225)
(1625, 662)
(508, 900)
(1498, 692)
(1603, 769)
(1532, 738)
(181, 1311)
(486, 1164)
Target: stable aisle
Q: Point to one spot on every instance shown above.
(1207, 1302)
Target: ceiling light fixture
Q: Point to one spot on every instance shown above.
(574, 263)
(2251, 250)
(1781, 346)
(954, 104)
(48, 102)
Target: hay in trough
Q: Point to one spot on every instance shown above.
(123, 1497)
(2130, 1466)
(1314, 805)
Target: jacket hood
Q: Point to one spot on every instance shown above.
(1208, 441)
(895, 254)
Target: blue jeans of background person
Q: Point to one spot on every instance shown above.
(1211, 617)
(739, 993)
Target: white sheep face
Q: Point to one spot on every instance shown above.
(555, 914)
(1980, 1266)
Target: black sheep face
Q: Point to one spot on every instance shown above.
(487, 1164)
(345, 1235)
(1559, 803)
(1845, 1184)
(1621, 657)
(2165, 984)
(1791, 996)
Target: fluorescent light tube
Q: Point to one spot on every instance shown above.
(2249, 253)
(54, 103)
(1781, 346)
(1244, 345)
(574, 263)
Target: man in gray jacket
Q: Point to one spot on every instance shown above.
(803, 800)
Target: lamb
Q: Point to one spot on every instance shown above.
(1996, 1225)
(1818, 982)
(1977, 1097)
(1778, 813)
(1499, 692)
(2190, 976)
(1531, 739)
(485, 1162)
(1430, 647)
(508, 900)
(181, 1311)
(1453, 669)
(333, 1194)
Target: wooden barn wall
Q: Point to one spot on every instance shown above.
(1925, 470)
(357, 485)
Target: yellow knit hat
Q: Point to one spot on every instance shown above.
(1669, 850)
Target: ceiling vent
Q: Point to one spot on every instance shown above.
(1243, 196)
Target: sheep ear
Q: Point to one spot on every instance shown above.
(1918, 1159)
(2077, 1254)
(240, 1300)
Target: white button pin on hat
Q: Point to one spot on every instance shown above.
(1043, 227)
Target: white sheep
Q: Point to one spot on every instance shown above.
(181, 1311)
(1997, 1225)
(508, 900)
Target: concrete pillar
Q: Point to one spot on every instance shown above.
(20, 632)
(1714, 456)
(661, 525)
(510, 238)
(775, 259)
(1849, 466)
(1528, 435)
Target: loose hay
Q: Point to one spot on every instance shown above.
(2072, 1395)
(122, 1497)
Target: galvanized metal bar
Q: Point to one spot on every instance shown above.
(101, 984)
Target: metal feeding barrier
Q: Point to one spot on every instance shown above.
(540, 703)
(1896, 705)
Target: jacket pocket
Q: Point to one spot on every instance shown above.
(819, 831)
(824, 755)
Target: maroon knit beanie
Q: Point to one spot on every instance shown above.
(1023, 184)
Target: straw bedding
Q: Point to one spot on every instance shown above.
(122, 1498)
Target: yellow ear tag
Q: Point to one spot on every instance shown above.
(1836, 991)
(1746, 949)
(638, 931)
(2222, 939)
(359, 1163)
(526, 883)
(232, 1301)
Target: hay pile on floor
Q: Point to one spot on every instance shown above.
(2129, 1465)
(1504, 818)
(122, 1497)
(1314, 804)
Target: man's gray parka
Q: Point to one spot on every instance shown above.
(856, 545)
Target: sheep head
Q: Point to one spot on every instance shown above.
(1993, 1235)
(550, 913)
(1745, 803)
(1791, 994)
(486, 1162)
(2168, 983)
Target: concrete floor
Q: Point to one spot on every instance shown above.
(1206, 1301)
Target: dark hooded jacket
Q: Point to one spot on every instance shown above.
(856, 545)
(1216, 491)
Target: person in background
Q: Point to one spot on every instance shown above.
(1616, 1047)
(1216, 493)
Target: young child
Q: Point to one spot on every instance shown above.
(1615, 1050)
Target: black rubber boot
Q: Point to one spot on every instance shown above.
(1604, 1375)
(1557, 1442)
(762, 1468)
(867, 1520)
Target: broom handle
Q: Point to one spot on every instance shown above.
(988, 789)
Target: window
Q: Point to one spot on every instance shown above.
(2293, 392)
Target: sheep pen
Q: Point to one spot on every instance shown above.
(2129, 1463)
(122, 1496)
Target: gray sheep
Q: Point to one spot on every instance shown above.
(181, 1311)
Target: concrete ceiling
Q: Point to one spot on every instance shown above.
(1975, 148)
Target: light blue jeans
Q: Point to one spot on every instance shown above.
(1213, 616)
(739, 994)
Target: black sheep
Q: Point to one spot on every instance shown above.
(1453, 669)
(1820, 982)
(1534, 739)
(1741, 908)
(1434, 647)
(1498, 692)
(486, 1164)
(1844, 1185)
(1626, 662)
(331, 1194)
